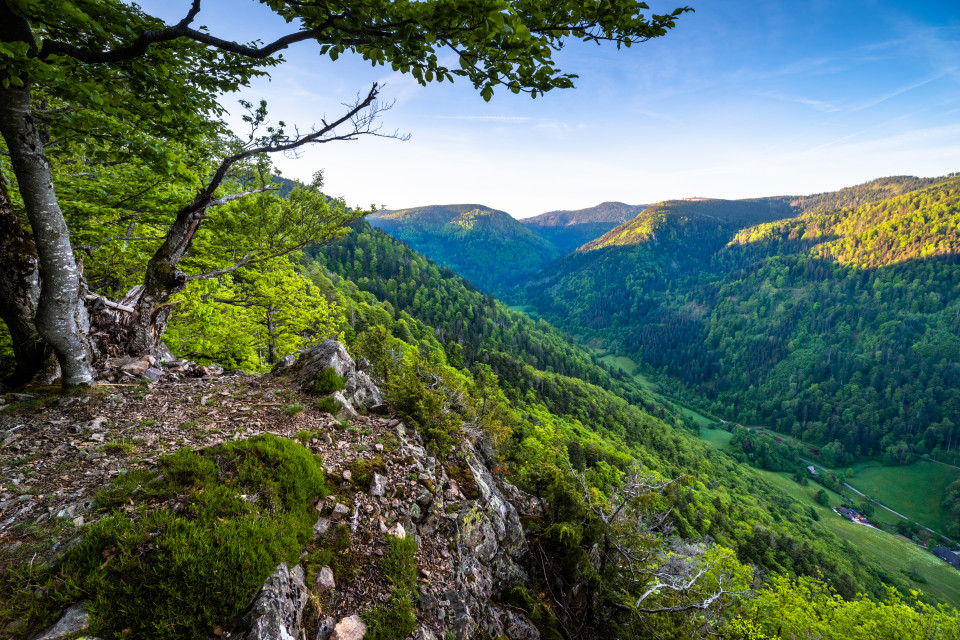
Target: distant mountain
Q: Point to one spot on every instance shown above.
(693, 216)
(488, 247)
(866, 193)
(568, 230)
(838, 325)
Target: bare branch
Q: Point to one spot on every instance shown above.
(216, 274)
(109, 303)
(234, 196)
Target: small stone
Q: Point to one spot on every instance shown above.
(97, 437)
(321, 527)
(97, 423)
(414, 512)
(397, 531)
(153, 374)
(326, 629)
(347, 474)
(137, 367)
(351, 628)
(378, 485)
(325, 580)
(378, 447)
(339, 511)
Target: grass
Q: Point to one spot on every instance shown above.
(293, 409)
(893, 554)
(915, 490)
(525, 309)
(717, 438)
(628, 366)
(395, 619)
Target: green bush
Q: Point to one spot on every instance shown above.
(205, 532)
(329, 405)
(293, 409)
(395, 619)
(328, 381)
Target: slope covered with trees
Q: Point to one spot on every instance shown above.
(567, 230)
(487, 247)
(600, 421)
(837, 326)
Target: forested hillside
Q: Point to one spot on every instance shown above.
(837, 326)
(568, 230)
(385, 284)
(692, 217)
(486, 246)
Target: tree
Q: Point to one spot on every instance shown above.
(150, 83)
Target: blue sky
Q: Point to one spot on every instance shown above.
(743, 99)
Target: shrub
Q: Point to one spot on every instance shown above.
(395, 619)
(329, 405)
(328, 381)
(293, 409)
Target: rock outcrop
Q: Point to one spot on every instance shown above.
(360, 394)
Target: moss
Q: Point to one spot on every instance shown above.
(464, 478)
(361, 471)
(204, 532)
(328, 381)
(336, 551)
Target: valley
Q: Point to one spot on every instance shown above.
(830, 318)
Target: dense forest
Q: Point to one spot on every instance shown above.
(599, 432)
(568, 230)
(468, 238)
(835, 326)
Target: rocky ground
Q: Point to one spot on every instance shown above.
(57, 451)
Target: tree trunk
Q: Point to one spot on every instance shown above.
(151, 302)
(61, 317)
(19, 292)
(272, 349)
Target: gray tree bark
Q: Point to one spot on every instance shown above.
(61, 317)
(19, 292)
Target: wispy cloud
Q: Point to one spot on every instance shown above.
(896, 92)
(819, 105)
(503, 119)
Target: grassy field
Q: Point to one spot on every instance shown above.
(914, 490)
(525, 309)
(716, 438)
(626, 365)
(894, 554)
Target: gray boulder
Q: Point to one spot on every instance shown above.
(75, 619)
(277, 610)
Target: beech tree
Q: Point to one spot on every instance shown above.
(129, 86)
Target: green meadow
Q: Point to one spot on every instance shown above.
(915, 490)
(920, 568)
